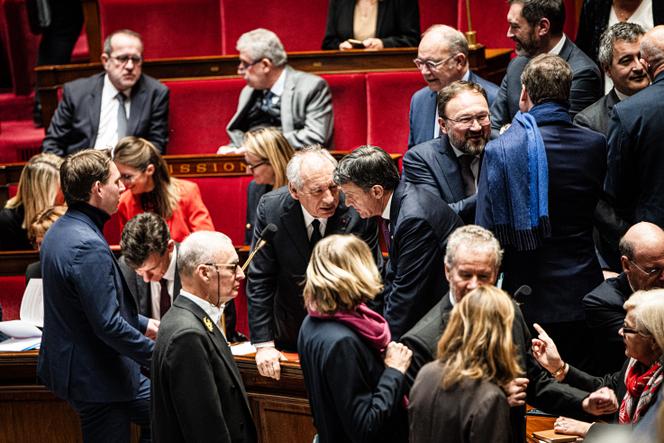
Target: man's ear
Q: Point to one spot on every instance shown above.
(543, 27)
(293, 191)
(443, 126)
(377, 191)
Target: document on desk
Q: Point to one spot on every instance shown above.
(23, 335)
(32, 303)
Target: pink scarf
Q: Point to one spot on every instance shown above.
(370, 325)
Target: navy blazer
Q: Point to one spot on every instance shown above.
(353, 396)
(76, 120)
(397, 23)
(565, 267)
(92, 347)
(276, 274)
(423, 110)
(420, 223)
(435, 166)
(586, 85)
(635, 176)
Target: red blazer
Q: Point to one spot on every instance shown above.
(191, 214)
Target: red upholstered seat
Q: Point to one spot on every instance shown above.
(11, 294)
(199, 112)
(349, 101)
(388, 101)
(299, 24)
(170, 28)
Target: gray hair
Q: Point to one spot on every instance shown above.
(107, 42)
(295, 164)
(262, 43)
(628, 32)
(455, 40)
(199, 248)
(475, 238)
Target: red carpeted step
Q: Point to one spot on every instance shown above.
(19, 140)
(15, 107)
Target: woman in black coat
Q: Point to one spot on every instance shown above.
(354, 375)
(397, 24)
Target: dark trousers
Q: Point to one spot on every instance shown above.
(110, 422)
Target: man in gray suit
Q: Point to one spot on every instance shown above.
(619, 54)
(148, 264)
(277, 95)
(536, 26)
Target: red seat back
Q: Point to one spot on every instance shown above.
(11, 294)
(349, 101)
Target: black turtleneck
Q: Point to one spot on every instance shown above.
(98, 216)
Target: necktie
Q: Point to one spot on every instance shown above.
(467, 174)
(164, 299)
(122, 115)
(384, 234)
(268, 104)
(315, 234)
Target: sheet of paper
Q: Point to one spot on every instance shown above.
(32, 304)
(244, 348)
(20, 344)
(19, 329)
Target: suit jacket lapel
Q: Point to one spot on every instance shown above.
(338, 223)
(94, 105)
(448, 173)
(380, 17)
(137, 104)
(611, 100)
(287, 101)
(428, 115)
(293, 222)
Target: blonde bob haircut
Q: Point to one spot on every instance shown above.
(341, 275)
(38, 186)
(477, 343)
(139, 153)
(270, 145)
(648, 313)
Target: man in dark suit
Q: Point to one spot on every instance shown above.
(635, 176)
(539, 185)
(197, 389)
(442, 58)
(298, 103)
(642, 260)
(536, 26)
(97, 111)
(310, 208)
(472, 259)
(449, 165)
(419, 224)
(93, 344)
(149, 264)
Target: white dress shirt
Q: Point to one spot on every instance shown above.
(107, 134)
(155, 287)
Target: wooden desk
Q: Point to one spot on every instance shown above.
(30, 413)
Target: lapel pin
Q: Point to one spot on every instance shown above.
(208, 324)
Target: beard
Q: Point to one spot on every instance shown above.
(468, 145)
(527, 48)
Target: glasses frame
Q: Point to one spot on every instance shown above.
(431, 65)
(137, 60)
(482, 121)
(216, 266)
(253, 166)
(653, 273)
(242, 66)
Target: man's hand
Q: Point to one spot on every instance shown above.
(516, 391)
(373, 44)
(601, 402)
(344, 46)
(398, 356)
(267, 361)
(152, 329)
(545, 351)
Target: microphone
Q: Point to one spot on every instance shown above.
(523, 290)
(265, 237)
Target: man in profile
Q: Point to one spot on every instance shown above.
(198, 394)
(93, 344)
(298, 103)
(96, 112)
(442, 58)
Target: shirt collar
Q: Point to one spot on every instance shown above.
(308, 218)
(108, 86)
(620, 95)
(466, 76)
(170, 272)
(278, 86)
(211, 310)
(388, 208)
(559, 46)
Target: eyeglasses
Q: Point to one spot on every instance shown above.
(252, 166)
(243, 66)
(137, 60)
(233, 266)
(627, 330)
(430, 64)
(467, 121)
(650, 273)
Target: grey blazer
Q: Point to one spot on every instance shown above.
(306, 110)
(597, 115)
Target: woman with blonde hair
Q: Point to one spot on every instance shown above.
(476, 360)
(38, 189)
(354, 374)
(150, 188)
(267, 153)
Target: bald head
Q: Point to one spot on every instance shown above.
(446, 49)
(652, 50)
(642, 250)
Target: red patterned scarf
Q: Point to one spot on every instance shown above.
(642, 386)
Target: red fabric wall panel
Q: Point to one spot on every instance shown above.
(170, 28)
(299, 24)
(434, 12)
(20, 44)
(11, 293)
(388, 102)
(349, 100)
(199, 113)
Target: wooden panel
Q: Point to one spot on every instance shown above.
(282, 419)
